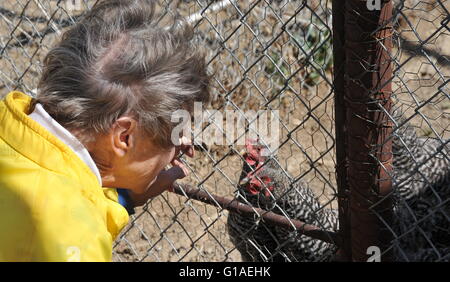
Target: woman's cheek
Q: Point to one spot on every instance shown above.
(171, 155)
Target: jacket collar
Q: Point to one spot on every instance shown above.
(43, 118)
(27, 137)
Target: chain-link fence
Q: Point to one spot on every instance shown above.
(277, 55)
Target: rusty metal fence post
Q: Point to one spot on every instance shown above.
(364, 90)
(339, 107)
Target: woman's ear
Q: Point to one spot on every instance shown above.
(123, 132)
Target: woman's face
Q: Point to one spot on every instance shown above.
(128, 159)
(140, 169)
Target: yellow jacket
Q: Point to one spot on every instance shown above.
(52, 207)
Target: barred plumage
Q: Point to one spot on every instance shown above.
(420, 164)
(422, 195)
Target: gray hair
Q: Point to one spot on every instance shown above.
(118, 61)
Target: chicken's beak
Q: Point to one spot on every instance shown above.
(244, 181)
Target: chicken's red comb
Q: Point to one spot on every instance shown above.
(253, 148)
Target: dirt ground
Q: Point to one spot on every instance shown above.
(174, 228)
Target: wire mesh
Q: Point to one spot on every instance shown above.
(420, 118)
(276, 55)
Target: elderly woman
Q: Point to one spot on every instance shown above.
(102, 118)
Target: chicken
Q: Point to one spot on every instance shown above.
(418, 217)
(258, 241)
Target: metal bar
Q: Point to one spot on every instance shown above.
(369, 150)
(272, 218)
(216, 7)
(340, 112)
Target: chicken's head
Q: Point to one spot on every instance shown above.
(254, 180)
(253, 153)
